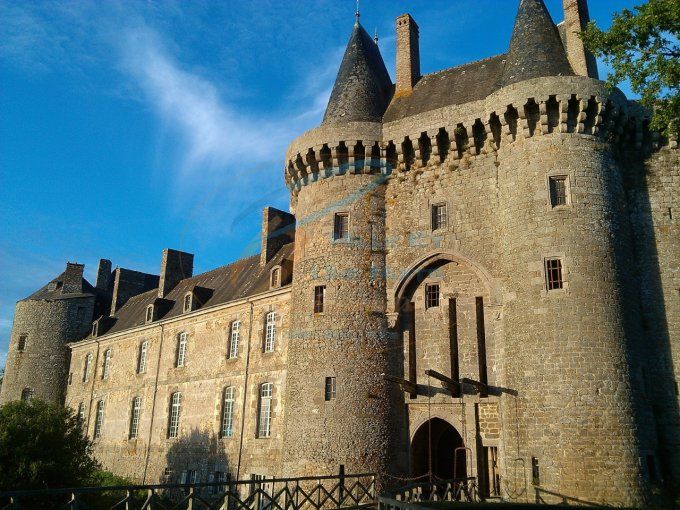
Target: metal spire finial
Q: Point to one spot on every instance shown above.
(357, 14)
(376, 35)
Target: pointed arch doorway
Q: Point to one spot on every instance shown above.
(438, 439)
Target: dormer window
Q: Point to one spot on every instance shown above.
(95, 328)
(188, 302)
(149, 313)
(275, 280)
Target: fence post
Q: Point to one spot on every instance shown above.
(342, 485)
(190, 501)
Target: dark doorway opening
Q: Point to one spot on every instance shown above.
(447, 462)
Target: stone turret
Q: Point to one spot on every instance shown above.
(339, 327)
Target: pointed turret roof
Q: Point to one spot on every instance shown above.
(536, 49)
(363, 87)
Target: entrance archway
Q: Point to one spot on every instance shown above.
(446, 464)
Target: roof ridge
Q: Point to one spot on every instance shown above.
(441, 71)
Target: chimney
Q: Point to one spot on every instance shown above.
(103, 275)
(576, 18)
(128, 283)
(408, 54)
(175, 267)
(73, 278)
(278, 229)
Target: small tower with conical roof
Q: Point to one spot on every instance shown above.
(339, 334)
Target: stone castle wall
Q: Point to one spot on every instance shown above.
(202, 381)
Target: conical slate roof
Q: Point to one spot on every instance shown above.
(536, 49)
(363, 88)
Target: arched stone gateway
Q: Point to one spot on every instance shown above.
(437, 447)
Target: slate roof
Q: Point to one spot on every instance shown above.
(457, 85)
(536, 48)
(238, 280)
(363, 87)
(44, 293)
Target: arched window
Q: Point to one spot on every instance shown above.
(227, 429)
(270, 332)
(99, 421)
(234, 339)
(141, 360)
(106, 364)
(26, 394)
(276, 278)
(173, 419)
(181, 350)
(86, 367)
(265, 415)
(135, 412)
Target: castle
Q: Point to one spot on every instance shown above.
(479, 277)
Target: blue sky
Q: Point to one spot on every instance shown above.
(131, 126)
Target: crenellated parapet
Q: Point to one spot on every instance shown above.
(566, 105)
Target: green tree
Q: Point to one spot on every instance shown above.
(43, 446)
(642, 47)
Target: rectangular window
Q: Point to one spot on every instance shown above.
(341, 227)
(265, 415)
(234, 339)
(439, 217)
(219, 477)
(149, 313)
(270, 332)
(181, 350)
(481, 341)
(26, 394)
(330, 391)
(21, 343)
(95, 329)
(187, 303)
(228, 412)
(99, 420)
(553, 274)
(319, 295)
(134, 417)
(86, 367)
(431, 295)
(558, 191)
(143, 353)
(81, 414)
(535, 472)
(276, 278)
(175, 408)
(106, 364)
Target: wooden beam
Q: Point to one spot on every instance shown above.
(481, 387)
(407, 386)
(447, 383)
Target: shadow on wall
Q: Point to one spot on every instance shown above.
(199, 457)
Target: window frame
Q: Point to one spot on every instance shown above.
(135, 415)
(21, 342)
(429, 303)
(330, 388)
(86, 367)
(552, 198)
(99, 420)
(80, 415)
(142, 357)
(439, 221)
(27, 394)
(264, 415)
(269, 344)
(228, 408)
(149, 314)
(319, 299)
(275, 272)
(188, 300)
(234, 339)
(341, 226)
(181, 356)
(174, 414)
(551, 284)
(106, 364)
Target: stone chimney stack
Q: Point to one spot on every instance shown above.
(104, 275)
(576, 18)
(408, 54)
(73, 278)
(175, 267)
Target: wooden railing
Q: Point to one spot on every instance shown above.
(408, 497)
(317, 493)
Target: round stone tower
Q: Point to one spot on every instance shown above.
(339, 409)
(38, 358)
(567, 340)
